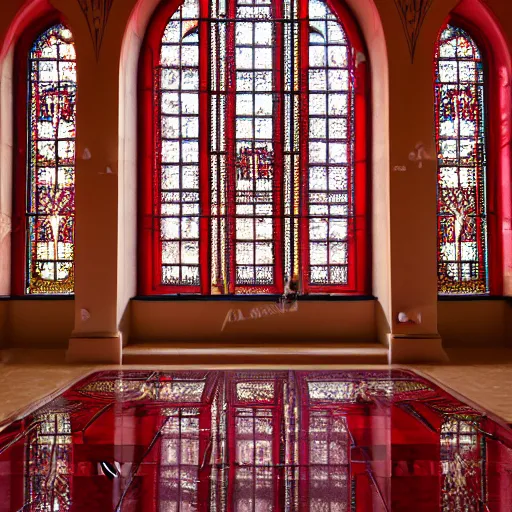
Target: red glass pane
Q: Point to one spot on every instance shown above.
(461, 177)
(257, 141)
(50, 204)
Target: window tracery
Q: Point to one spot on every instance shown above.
(253, 176)
(462, 164)
(50, 163)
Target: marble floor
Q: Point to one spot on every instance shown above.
(482, 377)
(252, 440)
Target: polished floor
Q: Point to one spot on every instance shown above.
(256, 441)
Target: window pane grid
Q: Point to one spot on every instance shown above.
(178, 135)
(331, 146)
(254, 147)
(271, 126)
(51, 160)
(461, 145)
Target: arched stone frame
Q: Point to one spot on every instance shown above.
(31, 20)
(150, 247)
(484, 26)
(476, 19)
(367, 17)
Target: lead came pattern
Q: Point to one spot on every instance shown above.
(331, 121)
(218, 171)
(254, 160)
(178, 101)
(291, 149)
(461, 147)
(50, 209)
(247, 87)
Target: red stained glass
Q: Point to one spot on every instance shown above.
(331, 149)
(256, 441)
(253, 159)
(51, 163)
(462, 164)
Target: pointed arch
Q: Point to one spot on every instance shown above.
(247, 169)
(461, 136)
(44, 166)
(32, 17)
(489, 205)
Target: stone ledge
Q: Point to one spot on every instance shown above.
(95, 350)
(254, 353)
(427, 348)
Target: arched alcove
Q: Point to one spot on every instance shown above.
(29, 13)
(367, 17)
(476, 320)
(481, 24)
(32, 18)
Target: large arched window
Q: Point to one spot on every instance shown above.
(45, 127)
(253, 150)
(461, 126)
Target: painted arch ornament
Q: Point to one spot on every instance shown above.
(96, 13)
(412, 14)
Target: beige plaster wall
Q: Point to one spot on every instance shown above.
(413, 190)
(484, 323)
(4, 307)
(6, 143)
(39, 323)
(206, 321)
(403, 205)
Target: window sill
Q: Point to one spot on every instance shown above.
(251, 298)
(39, 297)
(470, 298)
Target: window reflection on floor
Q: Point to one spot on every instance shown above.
(256, 441)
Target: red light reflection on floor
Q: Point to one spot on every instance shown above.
(256, 441)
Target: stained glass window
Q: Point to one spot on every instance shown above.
(50, 199)
(252, 179)
(331, 125)
(462, 164)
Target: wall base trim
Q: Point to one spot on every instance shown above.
(106, 350)
(416, 349)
